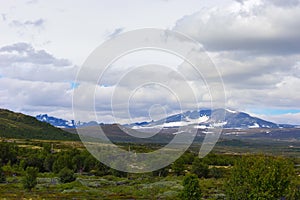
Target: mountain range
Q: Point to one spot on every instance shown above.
(204, 118)
(236, 124)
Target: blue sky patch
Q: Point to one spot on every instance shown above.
(274, 111)
(74, 85)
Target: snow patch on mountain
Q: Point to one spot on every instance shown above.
(255, 125)
(187, 121)
(231, 111)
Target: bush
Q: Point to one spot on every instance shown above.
(178, 167)
(215, 172)
(191, 189)
(29, 180)
(261, 177)
(66, 175)
(199, 168)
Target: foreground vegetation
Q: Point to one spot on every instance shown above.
(65, 170)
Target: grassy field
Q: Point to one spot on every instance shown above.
(108, 187)
(90, 185)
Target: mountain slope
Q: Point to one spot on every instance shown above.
(18, 125)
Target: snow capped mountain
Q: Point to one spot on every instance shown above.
(202, 119)
(60, 123)
(208, 118)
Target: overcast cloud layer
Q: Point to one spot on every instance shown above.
(255, 45)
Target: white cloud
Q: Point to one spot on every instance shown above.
(22, 61)
(261, 27)
(254, 44)
(288, 118)
(25, 53)
(30, 95)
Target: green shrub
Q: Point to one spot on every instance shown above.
(178, 167)
(199, 168)
(261, 177)
(29, 180)
(66, 175)
(215, 172)
(191, 189)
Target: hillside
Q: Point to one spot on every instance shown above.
(18, 125)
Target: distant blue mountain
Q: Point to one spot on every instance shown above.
(61, 123)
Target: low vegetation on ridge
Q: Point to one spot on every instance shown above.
(17, 125)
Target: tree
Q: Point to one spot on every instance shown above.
(101, 169)
(178, 166)
(2, 176)
(48, 162)
(8, 153)
(63, 160)
(215, 172)
(66, 175)
(191, 189)
(188, 157)
(199, 168)
(78, 161)
(30, 178)
(260, 177)
(33, 160)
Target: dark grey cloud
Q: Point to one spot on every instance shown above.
(240, 1)
(32, 2)
(25, 53)
(284, 3)
(3, 16)
(38, 22)
(280, 3)
(33, 23)
(19, 47)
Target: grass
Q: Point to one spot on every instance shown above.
(86, 187)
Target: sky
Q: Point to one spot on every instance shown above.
(254, 44)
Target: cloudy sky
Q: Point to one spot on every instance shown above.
(254, 44)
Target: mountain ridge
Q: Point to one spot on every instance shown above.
(203, 118)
